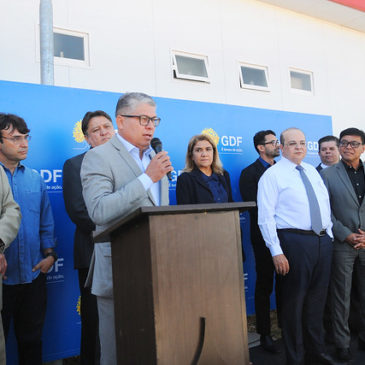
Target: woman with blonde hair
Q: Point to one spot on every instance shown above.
(203, 179)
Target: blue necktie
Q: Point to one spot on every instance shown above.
(314, 209)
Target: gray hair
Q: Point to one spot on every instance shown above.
(128, 102)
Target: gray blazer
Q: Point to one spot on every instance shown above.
(111, 190)
(9, 216)
(347, 214)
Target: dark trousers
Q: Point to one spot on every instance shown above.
(26, 305)
(303, 293)
(355, 312)
(345, 261)
(264, 286)
(90, 344)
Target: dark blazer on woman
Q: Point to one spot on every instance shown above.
(192, 189)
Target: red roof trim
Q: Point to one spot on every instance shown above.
(355, 4)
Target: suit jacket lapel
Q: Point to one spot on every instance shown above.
(346, 180)
(260, 168)
(124, 154)
(197, 175)
(363, 200)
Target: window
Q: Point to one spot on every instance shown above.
(301, 81)
(190, 67)
(253, 77)
(70, 47)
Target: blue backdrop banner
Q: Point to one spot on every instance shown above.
(54, 115)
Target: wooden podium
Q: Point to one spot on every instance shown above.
(178, 285)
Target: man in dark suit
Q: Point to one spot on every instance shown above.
(345, 182)
(328, 152)
(267, 146)
(97, 128)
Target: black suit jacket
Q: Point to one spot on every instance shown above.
(76, 209)
(192, 189)
(248, 183)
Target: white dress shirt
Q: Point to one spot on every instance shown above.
(283, 203)
(143, 163)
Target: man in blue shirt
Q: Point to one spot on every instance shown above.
(32, 253)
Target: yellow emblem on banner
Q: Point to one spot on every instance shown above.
(212, 134)
(77, 133)
(78, 305)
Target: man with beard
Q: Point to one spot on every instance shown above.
(267, 146)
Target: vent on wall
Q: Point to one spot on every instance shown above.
(301, 81)
(253, 77)
(190, 66)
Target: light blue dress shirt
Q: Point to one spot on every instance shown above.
(36, 232)
(143, 163)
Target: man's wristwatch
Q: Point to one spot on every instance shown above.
(53, 254)
(2, 246)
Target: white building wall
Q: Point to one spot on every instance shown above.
(131, 41)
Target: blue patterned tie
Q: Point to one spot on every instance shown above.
(314, 209)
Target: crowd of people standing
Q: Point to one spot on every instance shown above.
(307, 232)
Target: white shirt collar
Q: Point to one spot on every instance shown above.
(130, 147)
(292, 164)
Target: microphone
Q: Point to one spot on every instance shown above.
(156, 144)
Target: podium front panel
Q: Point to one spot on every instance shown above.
(173, 274)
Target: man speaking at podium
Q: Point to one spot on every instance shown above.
(117, 178)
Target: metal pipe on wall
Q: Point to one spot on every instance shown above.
(46, 41)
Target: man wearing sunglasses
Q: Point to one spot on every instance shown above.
(345, 182)
(118, 177)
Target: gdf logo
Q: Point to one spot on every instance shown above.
(231, 141)
(312, 146)
(227, 144)
(51, 175)
(56, 266)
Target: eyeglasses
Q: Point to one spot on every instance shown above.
(353, 144)
(295, 144)
(18, 139)
(273, 142)
(144, 119)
